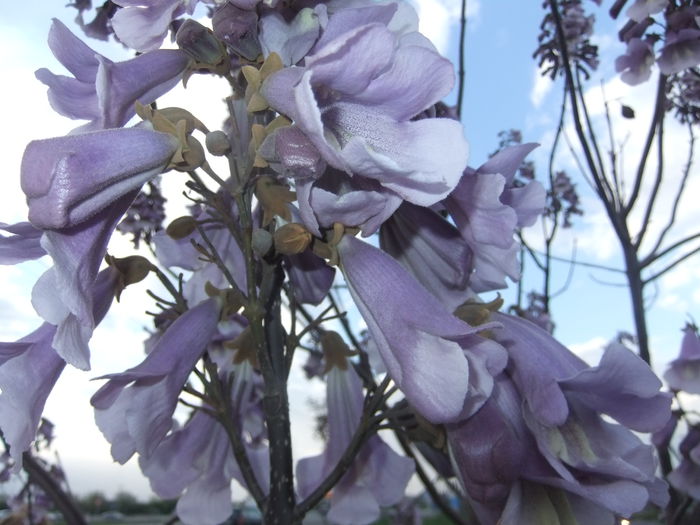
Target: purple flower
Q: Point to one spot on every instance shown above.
(290, 40)
(642, 9)
(143, 24)
(681, 51)
(354, 99)
(104, 92)
(134, 408)
(539, 450)
(635, 64)
(195, 462)
(377, 477)
(684, 372)
(487, 208)
(77, 188)
(23, 245)
(310, 276)
(686, 476)
(29, 369)
(414, 332)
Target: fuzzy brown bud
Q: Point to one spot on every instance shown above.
(292, 238)
(217, 143)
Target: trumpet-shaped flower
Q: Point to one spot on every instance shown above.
(539, 451)
(378, 476)
(413, 331)
(134, 408)
(355, 96)
(102, 91)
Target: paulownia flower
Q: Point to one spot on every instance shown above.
(353, 101)
(102, 91)
(378, 475)
(684, 372)
(134, 408)
(414, 332)
(487, 208)
(29, 369)
(539, 451)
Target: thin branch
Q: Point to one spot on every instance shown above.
(679, 193)
(649, 259)
(673, 264)
(428, 484)
(657, 184)
(462, 38)
(659, 109)
(365, 429)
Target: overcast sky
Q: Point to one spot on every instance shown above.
(503, 91)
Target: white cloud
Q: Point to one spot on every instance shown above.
(541, 87)
(590, 351)
(437, 18)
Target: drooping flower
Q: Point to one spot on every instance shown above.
(134, 408)
(377, 477)
(635, 65)
(431, 249)
(195, 463)
(686, 476)
(539, 450)
(29, 370)
(104, 92)
(355, 96)
(413, 331)
(684, 372)
(681, 51)
(642, 9)
(486, 208)
(78, 187)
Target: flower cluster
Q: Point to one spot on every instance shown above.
(334, 128)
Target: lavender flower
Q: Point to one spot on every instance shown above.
(684, 372)
(538, 450)
(29, 370)
(377, 477)
(143, 24)
(414, 333)
(104, 92)
(134, 408)
(355, 96)
(23, 245)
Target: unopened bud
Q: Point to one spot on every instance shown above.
(181, 227)
(217, 143)
(201, 44)
(262, 241)
(239, 29)
(132, 269)
(292, 238)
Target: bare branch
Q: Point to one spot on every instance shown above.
(460, 73)
(657, 184)
(679, 192)
(658, 115)
(673, 264)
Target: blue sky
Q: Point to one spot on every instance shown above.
(502, 92)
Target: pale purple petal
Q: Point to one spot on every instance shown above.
(134, 408)
(414, 332)
(143, 26)
(310, 276)
(23, 245)
(69, 179)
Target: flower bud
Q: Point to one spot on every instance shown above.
(292, 238)
(239, 29)
(201, 44)
(262, 241)
(181, 227)
(217, 143)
